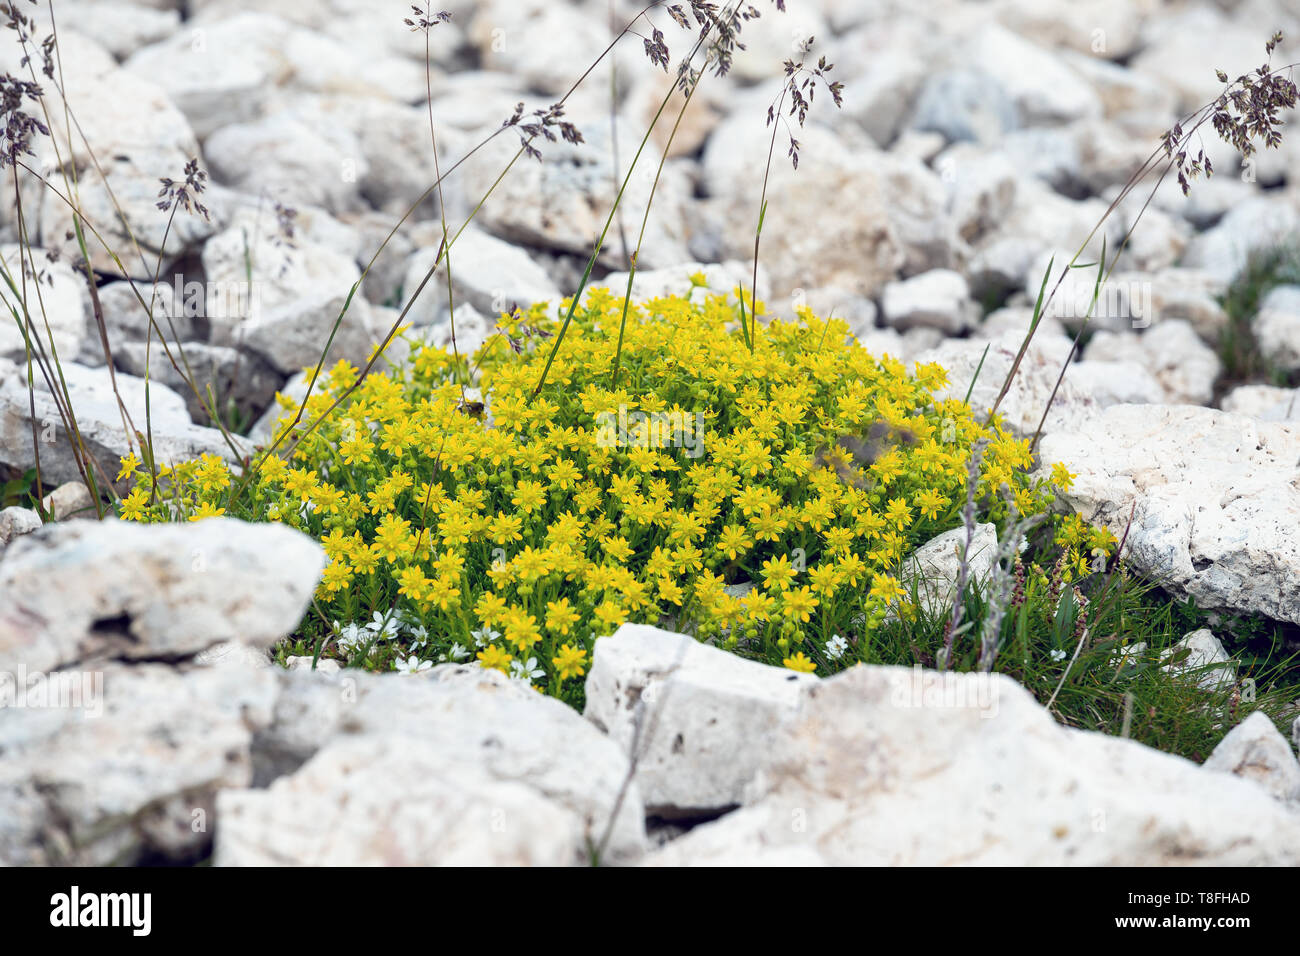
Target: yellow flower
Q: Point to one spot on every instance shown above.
(357, 449)
(529, 496)
(610, 616)
(133, 505)
(797, 604)
(777, 573)
(570, 662)
(393, 539)
(206, 510)
(494, 658)
(489, 608)
(929, 502)
(521, 630)
(799, 662)
(825, 578)
(129, 464)
(336, 576)
(560, 617)
(504, 529)
(886, 588)
(1062, 477)
(733, 541)
(669, 590)
(617, 549)
(532, 523)
(414, 583)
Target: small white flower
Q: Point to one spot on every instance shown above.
(484, 636)
(352, 636)
(1022, 544)
(836, 646)
(419, 635)
(383, 627)
(411, 665)
(526, 672)
(1057, 655)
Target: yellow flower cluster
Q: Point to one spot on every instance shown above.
(699, 487)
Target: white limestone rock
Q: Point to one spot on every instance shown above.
(1265, 402)
(99, 423)
(1254, 224)
(1031, 388)
(1203, 655)
(935, 566)
(1256, 750)
(15, 521)
(697, 719)
(471, 718)
(1277, 327)
(939, 299)
(1184, 366)
(888, 767)
(486, 272)
(85, 590)
(59, 301)
(1212, 495)
(391, 800)
(69, 500)
(129, 769)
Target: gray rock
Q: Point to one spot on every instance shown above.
(857, 247)
(937, 299)
(86, 590)
(1212, 498)
(390, 800)
(1185, 367)
(935, 566)
(471, 718)
(965, 105)
(245, 380)
(223, 71)
(126, 319)
(121, 28)
(69, 500)
(885, 743)
(15, 521)
(290, 162)
(1277, 327)
(1257, 223)
(297, 294)
(55, 295)
(1202, 654)
(1265, 402)
(697, 720)
(124, 186)
(486, 272)
(1257, 751)
(1031, 388)
(130, 768)
(563, 201)
(1044, 89)
(99, 422)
